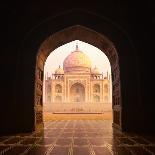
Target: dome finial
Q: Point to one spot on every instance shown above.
(77, 46)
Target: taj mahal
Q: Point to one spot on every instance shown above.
(77, 87)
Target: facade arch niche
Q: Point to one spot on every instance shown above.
(96, 88)
(58, 88)
(106, 88)
(77, 93)
(96, 98)
(94, 38)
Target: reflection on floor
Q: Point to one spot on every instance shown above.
(104, 116)
(77, 137)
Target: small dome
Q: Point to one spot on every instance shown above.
(77, 61)
(95, 70)
(59, 70)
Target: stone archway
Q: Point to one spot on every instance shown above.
(54, 32)
(90, 36)
(77, 93)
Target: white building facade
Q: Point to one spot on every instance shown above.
(77, 88)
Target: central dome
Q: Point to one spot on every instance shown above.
(77, 61)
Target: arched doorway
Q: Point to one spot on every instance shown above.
(77, 93)
(86, 35)
(58, 88)
(102, 34)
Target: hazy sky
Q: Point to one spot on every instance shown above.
(96, 56)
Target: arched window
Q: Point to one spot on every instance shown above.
(77, 90)
(106, 98)
(58, 99)
(106, 88)
(58, 88)
(96, 98)
(77, 93)
(96, 88)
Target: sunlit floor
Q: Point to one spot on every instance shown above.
(77, 137)
(103, 116)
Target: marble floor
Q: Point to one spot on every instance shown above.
(77, 137)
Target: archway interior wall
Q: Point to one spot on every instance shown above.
(87, 35)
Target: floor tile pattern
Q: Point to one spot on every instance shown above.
(77, 137)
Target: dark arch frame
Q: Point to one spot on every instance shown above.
(125, 50)
(94, 38)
